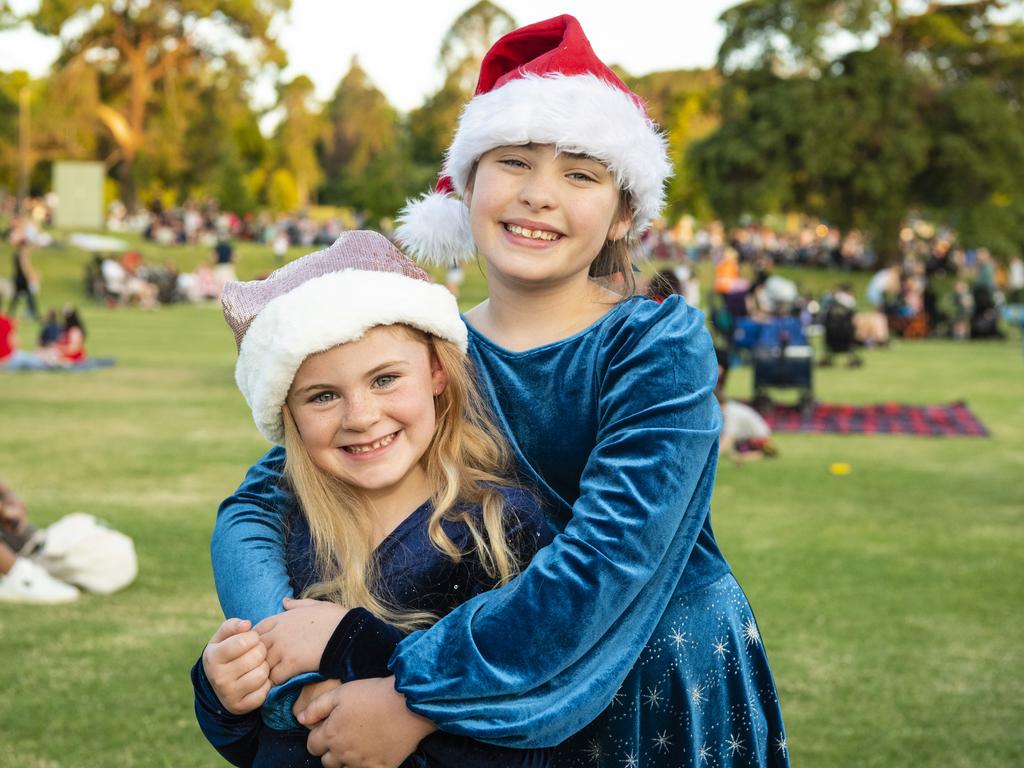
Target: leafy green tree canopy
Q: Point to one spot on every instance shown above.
(920, 109)
(136, 44)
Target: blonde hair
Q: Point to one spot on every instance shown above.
(466, 463)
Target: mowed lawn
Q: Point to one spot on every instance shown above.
(891, 599)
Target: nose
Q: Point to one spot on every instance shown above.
(360, 413)
(538, 189)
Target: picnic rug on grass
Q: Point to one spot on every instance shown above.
(952, 420)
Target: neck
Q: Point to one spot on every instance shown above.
(393, 505)
(521, 317)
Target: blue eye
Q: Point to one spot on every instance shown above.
(323, 397)
(513, 162)
(384, 381)
(581, 176)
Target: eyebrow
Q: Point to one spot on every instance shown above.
(533, 145)
(582, 156)
(369, 374)
(390, 364)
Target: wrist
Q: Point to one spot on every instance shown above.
(417, 725)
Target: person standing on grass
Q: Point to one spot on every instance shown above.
(223, 261)
(24, 277)
(355, 363)
(627, 641)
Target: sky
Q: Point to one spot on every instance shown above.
(397, 41)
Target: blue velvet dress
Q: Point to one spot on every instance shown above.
(627, 641)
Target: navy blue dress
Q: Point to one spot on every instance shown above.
(414, 575)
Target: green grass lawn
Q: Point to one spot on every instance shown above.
(890, 599)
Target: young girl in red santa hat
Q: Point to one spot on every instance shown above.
(627, 641)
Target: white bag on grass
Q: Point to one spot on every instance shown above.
(83, 551)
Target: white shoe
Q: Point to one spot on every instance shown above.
(28, 582)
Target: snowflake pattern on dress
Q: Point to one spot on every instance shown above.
(700, 695)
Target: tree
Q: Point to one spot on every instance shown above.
(897, 123)
(67, 124)
(222, 140)
(11, 86)
(975, 172)
(432, 125)
(366, 157)
(136, 45)
(8, 18)
(299, 134)
(470, 36)
(787, 37)
(683, 103)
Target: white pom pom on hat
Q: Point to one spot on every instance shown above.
(541, 84)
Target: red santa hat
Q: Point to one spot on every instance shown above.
(542, 84)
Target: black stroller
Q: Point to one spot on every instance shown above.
(782, 359)
(840, 334)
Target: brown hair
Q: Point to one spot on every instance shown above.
(614, 261)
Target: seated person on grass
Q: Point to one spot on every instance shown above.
(746, 436)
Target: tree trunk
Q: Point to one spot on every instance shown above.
(126, 175)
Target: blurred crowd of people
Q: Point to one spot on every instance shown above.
(130, 280)
(938, 288)
(203, 223)
(806, 243)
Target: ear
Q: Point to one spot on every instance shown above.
(620, 227)
(438, 376)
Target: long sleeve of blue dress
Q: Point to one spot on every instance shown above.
(532, 663)
(247, 548)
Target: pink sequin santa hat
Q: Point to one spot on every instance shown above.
(321, 300)
(543, 84)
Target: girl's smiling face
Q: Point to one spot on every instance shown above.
(540, 217)
(365, 412)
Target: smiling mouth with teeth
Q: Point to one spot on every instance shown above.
(367, 447)
(532, 234)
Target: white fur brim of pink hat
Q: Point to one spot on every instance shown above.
(319, 301)
(542, 84)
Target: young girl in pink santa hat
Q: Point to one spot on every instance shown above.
(356, 364)
(627, 641)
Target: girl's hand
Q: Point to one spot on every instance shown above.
(312, 691)
(296, 639)
(363, 724)
(235, 662)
